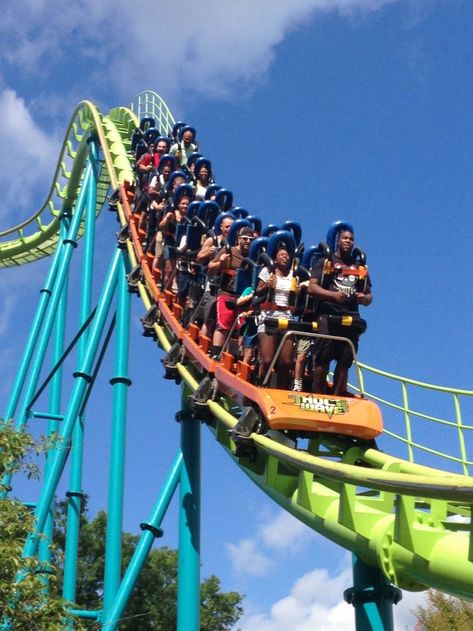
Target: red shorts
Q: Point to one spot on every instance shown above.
(226, 316)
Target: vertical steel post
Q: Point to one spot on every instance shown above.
(188, 588)
(46, 316)
(372, 596)
(120, 383)
(83, 378)
(66, 250)
(74, 494)
(45, 295)
(151, 530)
(55, 402)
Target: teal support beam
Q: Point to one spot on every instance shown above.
(54, 406)
(373, 597)
(45, 295)
(188, 585)
(120, 383)
(43, 329)
(67, 248)
(151, 530)
(47, 416)
(87, 614)
(74, 494)
(83, 379)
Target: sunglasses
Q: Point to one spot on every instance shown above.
(247, 238)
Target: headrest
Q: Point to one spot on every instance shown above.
(212, 190)
(220, 218)
(163, 139)
(239, 212)
(147, 122)
(193, 210)
(268, 230)
(314, 253)
(235, 228)
(176, 129)
(151, 134)
(334, 232)
(260, 244)
(166, 158)
(173, 176)
(255, 222)
(183, 190)
(279, 240)
(185, 128)
(199, 164)
(224, 199)
(208, 212)
(194, 156)
(295, 228)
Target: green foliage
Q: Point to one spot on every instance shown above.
(219, 611)
(24, 604)
(153, 602)
(444, 612)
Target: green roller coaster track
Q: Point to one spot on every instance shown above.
(410, 520)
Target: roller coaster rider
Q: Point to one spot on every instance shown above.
(185, 146)
(206, 312)
(146, 168)
(203, 177)
(276, 285)
(159, 181)
(182, 197)
(149, 162)
(338, 295)
(225, 263)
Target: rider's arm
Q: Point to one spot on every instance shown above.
(320, 293)
(218, 263)
(207, 251)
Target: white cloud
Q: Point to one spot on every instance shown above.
(278, 536)
(248, 559)
(283, 532)
(211, 49)
(107, 51)
(315, 601)
(27, 160)
(403, 611)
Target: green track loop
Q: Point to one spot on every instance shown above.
(412, 521)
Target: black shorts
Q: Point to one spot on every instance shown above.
(329, 350)
(207, 311)
(326, 350)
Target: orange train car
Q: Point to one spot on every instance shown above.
(301, 413)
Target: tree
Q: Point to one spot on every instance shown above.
(444, 612)
(153, 602)
(25, 603)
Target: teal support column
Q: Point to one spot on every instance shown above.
(188, 586)
(55, 406)
(66, 249)
(120, 383)
(83, 378)
(372, 597)
(45, 295)
(74, 494)
(151, 530)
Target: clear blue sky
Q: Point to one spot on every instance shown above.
(313, 110)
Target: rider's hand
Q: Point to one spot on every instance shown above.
(339, 297)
